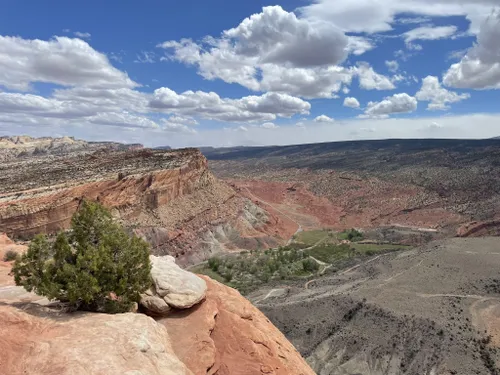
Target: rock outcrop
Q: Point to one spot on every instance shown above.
(172, 287)
(227, 335)
(479, 229)
(85, 344)
(222, 335)
(170, 198)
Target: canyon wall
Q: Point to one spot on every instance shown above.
(168, 197)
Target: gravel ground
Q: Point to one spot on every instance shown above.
(433, 310)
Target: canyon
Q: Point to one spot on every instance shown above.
(170, 198)
(417, 295)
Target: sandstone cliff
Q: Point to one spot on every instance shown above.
(168, 197)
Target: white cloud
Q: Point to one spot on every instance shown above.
(323, 82)
(346, 90)
(414, 47)
(480, 67)
(269, 125)
(273, 36)
(81, 35)
(378, 15)
(274, 51)
(324, 118)
(145, 57)
(398, 103)
(485, 126)
(279, 37)
(429, 33)
(438, 96)
(392, 65)
(371, 80)
(64, 61)
(183, 120)
(411, 20)
(212, 106)
(351, 103)
(105, 99)
(123, 119)
(43, 107)
(358, 45)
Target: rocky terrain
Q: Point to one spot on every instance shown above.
(431, 310)
(168, 197)
(209, 329)
(439, 184)
(26, 146)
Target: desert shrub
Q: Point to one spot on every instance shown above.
(354, 235)
(214, 264)
(9, 256)
(310, 265)
(97, 267)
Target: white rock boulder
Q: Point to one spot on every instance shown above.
(172, 287)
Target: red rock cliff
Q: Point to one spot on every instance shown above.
(168, 197)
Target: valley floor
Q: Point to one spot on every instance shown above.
(429, 310)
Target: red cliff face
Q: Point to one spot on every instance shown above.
(168, 197)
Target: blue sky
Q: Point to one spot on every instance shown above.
(225, 73)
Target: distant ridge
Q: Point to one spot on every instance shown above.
(24, 146)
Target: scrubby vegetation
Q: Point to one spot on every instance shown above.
(352, 235)
(248, 270)
(311, 254)
(9, 256)
(96, 267)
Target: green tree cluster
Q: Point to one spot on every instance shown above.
(97, 266)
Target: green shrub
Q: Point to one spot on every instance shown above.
(310, 265)
(214, 264)
(354, 235)
(9, 256)
(97, 267)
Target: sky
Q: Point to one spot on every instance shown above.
(227, 73)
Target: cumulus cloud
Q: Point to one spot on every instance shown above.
(480, 67)
(211, 106)
(438, 96)
(277, 36)
(392, 66)
(398, 103)
(64, 61)
(429, 33)
(324, 118)
(274, 51)
(323, 82)
(371, 80)
(358, 45)
(351, 102)
(378, 15)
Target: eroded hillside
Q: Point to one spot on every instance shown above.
(440, 184)
(168, 197)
